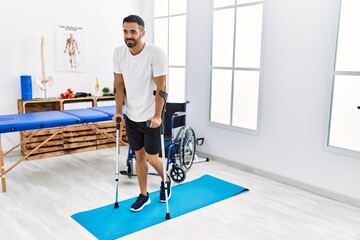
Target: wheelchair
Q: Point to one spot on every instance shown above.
(179, 141)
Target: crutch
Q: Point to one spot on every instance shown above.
(118, 121)
(164, 96)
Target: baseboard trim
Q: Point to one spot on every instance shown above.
(288, 181)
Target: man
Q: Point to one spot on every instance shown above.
(139, 69)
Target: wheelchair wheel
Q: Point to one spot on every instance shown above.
(187, 148)
(177, 174)
(130, 168)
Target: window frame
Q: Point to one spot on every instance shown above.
(333, 73)
(230, 126)
(184, 67)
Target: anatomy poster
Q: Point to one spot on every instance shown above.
(69, 48)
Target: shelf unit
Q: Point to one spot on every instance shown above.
(72, 139)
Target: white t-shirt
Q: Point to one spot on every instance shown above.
(138, 72)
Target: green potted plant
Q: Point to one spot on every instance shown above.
(106, 91)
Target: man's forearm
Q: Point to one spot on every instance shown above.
(119, 100)
(119, 94)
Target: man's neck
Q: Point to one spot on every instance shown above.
(137, 49)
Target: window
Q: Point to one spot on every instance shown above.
(236, 57)
(170, 35)
(344, 126)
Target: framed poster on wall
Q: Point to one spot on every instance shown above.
(69, 48)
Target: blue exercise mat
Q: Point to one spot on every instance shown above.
(108, 222)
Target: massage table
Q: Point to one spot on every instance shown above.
(50, 119)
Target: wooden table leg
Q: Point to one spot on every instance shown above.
(2, 168)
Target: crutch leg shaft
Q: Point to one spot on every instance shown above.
(164, 162)
(164, 96)
(118, 121)
(165, 177)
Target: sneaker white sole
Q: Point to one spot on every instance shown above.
(140, 208)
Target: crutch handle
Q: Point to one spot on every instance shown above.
(118, 121)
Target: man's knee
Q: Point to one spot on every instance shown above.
(140, 155)
(152, 158)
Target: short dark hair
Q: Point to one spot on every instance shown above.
(136, 19)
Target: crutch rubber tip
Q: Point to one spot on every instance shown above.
(167, 216)
(116, 205)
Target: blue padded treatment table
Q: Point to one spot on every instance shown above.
(38, 120)
(92, 115)
(88, 115)
(109, 110)
(50, 119)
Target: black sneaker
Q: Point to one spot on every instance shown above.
(162, 190)
(140, 202)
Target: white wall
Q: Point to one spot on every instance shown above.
(299, 44)
(20, 23)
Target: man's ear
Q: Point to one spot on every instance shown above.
(142, 33)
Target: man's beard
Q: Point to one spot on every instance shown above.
(131, 44)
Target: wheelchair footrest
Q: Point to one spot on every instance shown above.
(124, 172)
